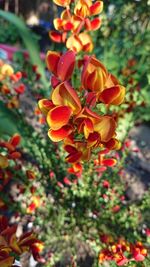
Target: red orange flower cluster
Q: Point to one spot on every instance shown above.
(11, 152)
(8, 152)
(77, 21)
(121, 252)
(11, 86)
(12, 246)
(72, 113)
(35, 203)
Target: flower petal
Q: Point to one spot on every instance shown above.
(62, 3)
(70, 149)
(65, 95)
(74, 43)
(60, 134)
(72, 158)
(58, 24)
(106, 128)
(93, 139)
(57, 37)
(58, 117)
(109, 162)
(96, 8)
(66, 65)
(86, 42)
(15, 140)
(68, 26)
(52, 59)
(95, 24)
(45, 105)
(114, 95)
(113, 144)
(94, 75)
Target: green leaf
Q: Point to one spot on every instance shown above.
(30, 43)
(8, 121)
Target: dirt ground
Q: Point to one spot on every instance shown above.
(138, 162)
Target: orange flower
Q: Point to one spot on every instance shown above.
(72, 120)
(76, 169)
(61, 66)
(82, 8)
(65, 95)
(85, 121)
(77, 152)
(65, 22)
(35, 203)
(65, 103)
(105, 127)
(139, 251)
(94, 75)
(113, 93)
(81, 42)
(10, 244)
(76, 22)
(85, 8)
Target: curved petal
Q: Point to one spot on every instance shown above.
(15, 140)
(57, 37)
(93, 139)
(58, 24)
(52, 59)
(95, 24)
(109, 162)
(60, 134)
(66, 65)
(45, 105)
(58, 117)
(85, 126)
(88, 113)
(62, 3)
(114, 95)
(72, 158)
(65, 95)
(82, 8)
(74, 42)
(96, 8)
(86, 42)
(106, 128)
(94, 75)
(120, 98)
(54, 81)
(113, 144)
